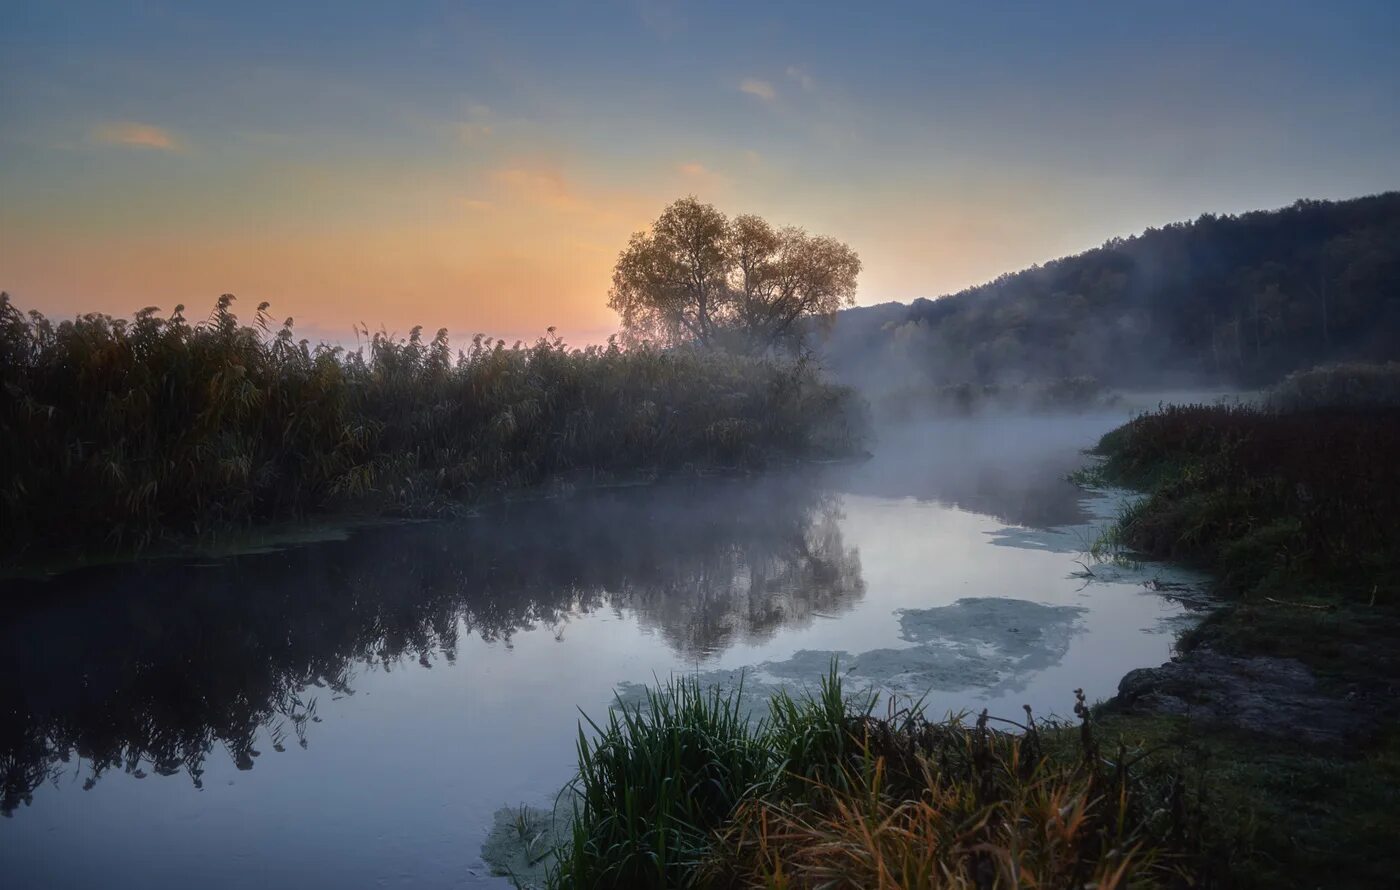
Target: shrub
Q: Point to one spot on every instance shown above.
(1255, 492)
(124, 432)
(1353, 385)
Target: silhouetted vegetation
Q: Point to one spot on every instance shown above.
(699, 277)
(121, 433)
(155, 667)
(1296, 508)
(1352, 386)
(685, 791)
(1239, 299)
(1265, 496)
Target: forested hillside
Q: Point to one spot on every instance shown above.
(1229, 299)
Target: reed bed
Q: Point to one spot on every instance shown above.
(121, 433)
(1259, 494)
(684, 791)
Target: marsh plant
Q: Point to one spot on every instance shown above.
(1282, 496)
(119, 433)
(686, 790)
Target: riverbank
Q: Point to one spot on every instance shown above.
(1266, 754)
(1286, 694)
(142, 434)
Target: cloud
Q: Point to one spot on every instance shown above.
(472, 134)
(662, 17)
(760, 88)
(541, 186)
(800, 75)
(700, 179)
(137, 135)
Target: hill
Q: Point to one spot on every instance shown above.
(1222, 299)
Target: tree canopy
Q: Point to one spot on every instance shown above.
(697, 276)
(1229, 299)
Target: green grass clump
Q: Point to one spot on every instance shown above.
(686, 791)
(656, 782)
(119, 434)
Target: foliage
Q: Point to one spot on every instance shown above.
(1244, 298)
(1294, 507)
(1262, 495)
(699, 277)
(1352, 385)
(656, 782)
(124, 432)
(824, 794)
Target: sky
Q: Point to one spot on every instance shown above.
(478, 166)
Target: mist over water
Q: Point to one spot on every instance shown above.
(352, 712)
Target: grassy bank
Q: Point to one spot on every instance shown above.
(1294, 508)
(122, 433)
(1277, 500)
(685, 791)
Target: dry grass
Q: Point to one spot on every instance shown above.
(950, 806)
(823, 794)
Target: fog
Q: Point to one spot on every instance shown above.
(228, 694)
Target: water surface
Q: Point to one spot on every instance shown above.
(350, 713)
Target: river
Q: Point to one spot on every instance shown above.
(351, 712)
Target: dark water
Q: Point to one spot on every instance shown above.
(350, 713)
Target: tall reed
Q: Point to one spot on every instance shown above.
(122, 432)
(1305, 493)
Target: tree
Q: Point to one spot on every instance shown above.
(699, 277)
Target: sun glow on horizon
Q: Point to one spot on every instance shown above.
(481, 171)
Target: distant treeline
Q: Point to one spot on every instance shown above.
(118, 433)
(1231, 299)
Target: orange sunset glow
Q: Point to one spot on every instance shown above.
(480, 169)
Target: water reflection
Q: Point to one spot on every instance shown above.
(148, 669)
(1012, 467)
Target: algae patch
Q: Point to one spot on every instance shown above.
(522, 843)
(992, 644)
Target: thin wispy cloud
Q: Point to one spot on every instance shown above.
(474, 134)
(541, 186)
(136, 135)
(663, 18)
(799, 74)
(762, 89)
(698, 178)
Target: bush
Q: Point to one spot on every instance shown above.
(1255, 493)
(1354, 385)
(121, 433)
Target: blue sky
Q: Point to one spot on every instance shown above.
(480, 165)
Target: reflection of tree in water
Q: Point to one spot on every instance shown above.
(149, 668)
